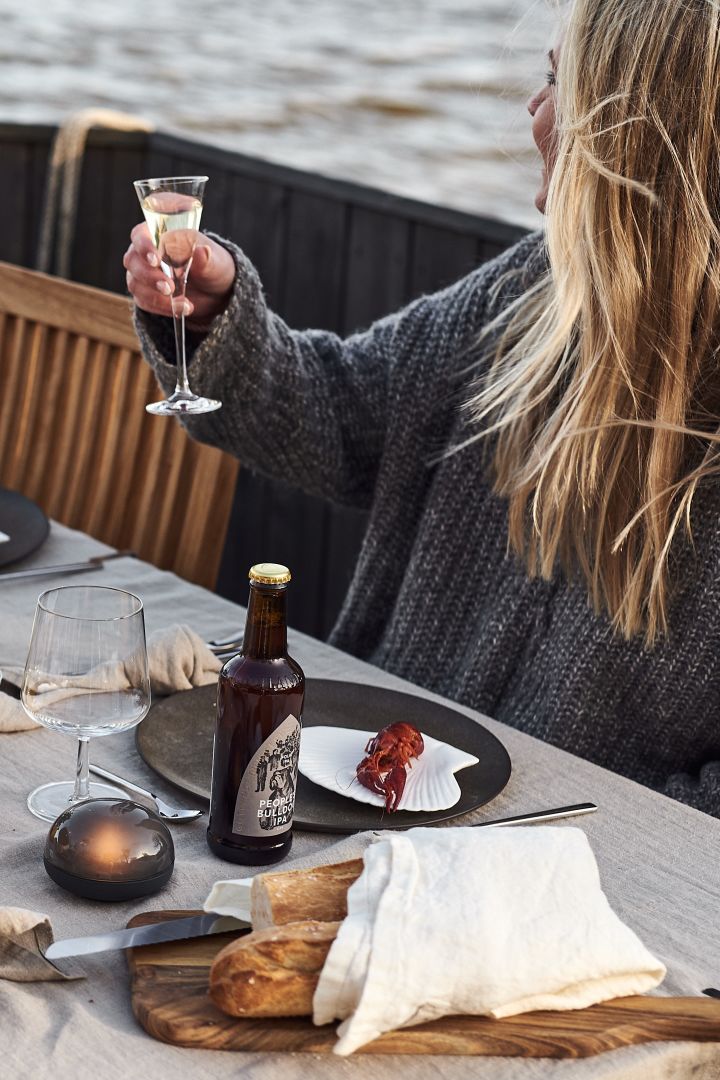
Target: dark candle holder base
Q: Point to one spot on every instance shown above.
(95, 889)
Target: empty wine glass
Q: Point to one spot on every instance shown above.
(86, 675)
(172, 206)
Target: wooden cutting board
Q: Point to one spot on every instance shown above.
(169, 998)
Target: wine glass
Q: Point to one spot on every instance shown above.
(172, 206)
(86, 674)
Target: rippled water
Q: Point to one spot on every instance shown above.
(423, 97)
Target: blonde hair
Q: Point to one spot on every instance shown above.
(601, 397)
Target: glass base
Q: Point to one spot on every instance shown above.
(179, 404)
(49, 800)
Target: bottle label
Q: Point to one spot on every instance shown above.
(266, 797)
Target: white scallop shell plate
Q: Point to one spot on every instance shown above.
(330, 755)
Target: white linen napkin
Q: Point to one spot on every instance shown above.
(230, 897)
(178, 659)
(488, 922)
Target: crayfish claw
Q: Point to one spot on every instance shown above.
(369, 776)
(394, 786)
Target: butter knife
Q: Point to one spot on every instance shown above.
(152, 934)
(576, 810)
(94, 563)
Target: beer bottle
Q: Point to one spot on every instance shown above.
(257, 732)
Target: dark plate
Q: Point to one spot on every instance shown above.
(175, 739)
(25, 524)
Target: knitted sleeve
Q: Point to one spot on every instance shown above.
(702, 792)
(308, 407)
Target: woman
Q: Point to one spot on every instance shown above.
(536, 444)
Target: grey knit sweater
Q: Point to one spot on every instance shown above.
(435, 598)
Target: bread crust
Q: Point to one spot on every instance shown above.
(318, 894)
(272, 972)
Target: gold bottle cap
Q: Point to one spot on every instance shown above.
(270, 573)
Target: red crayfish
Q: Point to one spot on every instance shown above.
(383, 770)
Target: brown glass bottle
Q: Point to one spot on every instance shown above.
(257, 732)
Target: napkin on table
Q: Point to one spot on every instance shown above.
(489, 922)
(24, 937)
(178, 659)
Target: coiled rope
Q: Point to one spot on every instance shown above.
(63, 185)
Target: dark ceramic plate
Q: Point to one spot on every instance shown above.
(24, 523)
(175, 739)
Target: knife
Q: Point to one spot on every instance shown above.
(95, 563)
(539, 815)
(152, 934)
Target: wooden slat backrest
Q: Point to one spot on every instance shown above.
(75, 437)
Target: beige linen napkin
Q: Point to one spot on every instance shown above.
(177, 659)
(24, 937)
(12, 715)
(488, 922)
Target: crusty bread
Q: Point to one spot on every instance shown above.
(319, 894)
(272, 972)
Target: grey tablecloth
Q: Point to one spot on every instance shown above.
(659, 863)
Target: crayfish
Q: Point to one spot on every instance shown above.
(388, 752)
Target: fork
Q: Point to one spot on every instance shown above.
(227, 642)
(223, 649)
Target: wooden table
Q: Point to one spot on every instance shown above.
(659, 863)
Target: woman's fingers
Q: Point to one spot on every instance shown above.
(150, 288)
(140, 238)
(151, 298)
(147, 298)
(210, 280)
(141, 268)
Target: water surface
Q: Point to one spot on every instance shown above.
(423, 97)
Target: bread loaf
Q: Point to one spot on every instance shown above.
(319, 894)
(272, 972)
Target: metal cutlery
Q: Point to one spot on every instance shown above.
(540, 815)
(170, 930)
(226, 642)
(226, 647)
(176, 814)
(226, 651)
(94, 563)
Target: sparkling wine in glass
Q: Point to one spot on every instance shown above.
(172, 206)
(86, 675)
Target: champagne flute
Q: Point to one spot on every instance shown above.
(86, 674)
(172, 206)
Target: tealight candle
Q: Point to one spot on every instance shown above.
(109, 849)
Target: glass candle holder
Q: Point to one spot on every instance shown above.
(109, 849)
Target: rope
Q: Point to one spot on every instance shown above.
(63, 186)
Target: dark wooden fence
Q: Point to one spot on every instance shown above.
(331, 254)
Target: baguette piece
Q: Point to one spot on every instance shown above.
(318, 894)
(272, 972)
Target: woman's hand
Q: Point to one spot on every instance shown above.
(209, 283)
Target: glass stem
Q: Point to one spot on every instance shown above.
(182, 386)
(82, 772)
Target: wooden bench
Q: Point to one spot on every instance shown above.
(75, 437)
